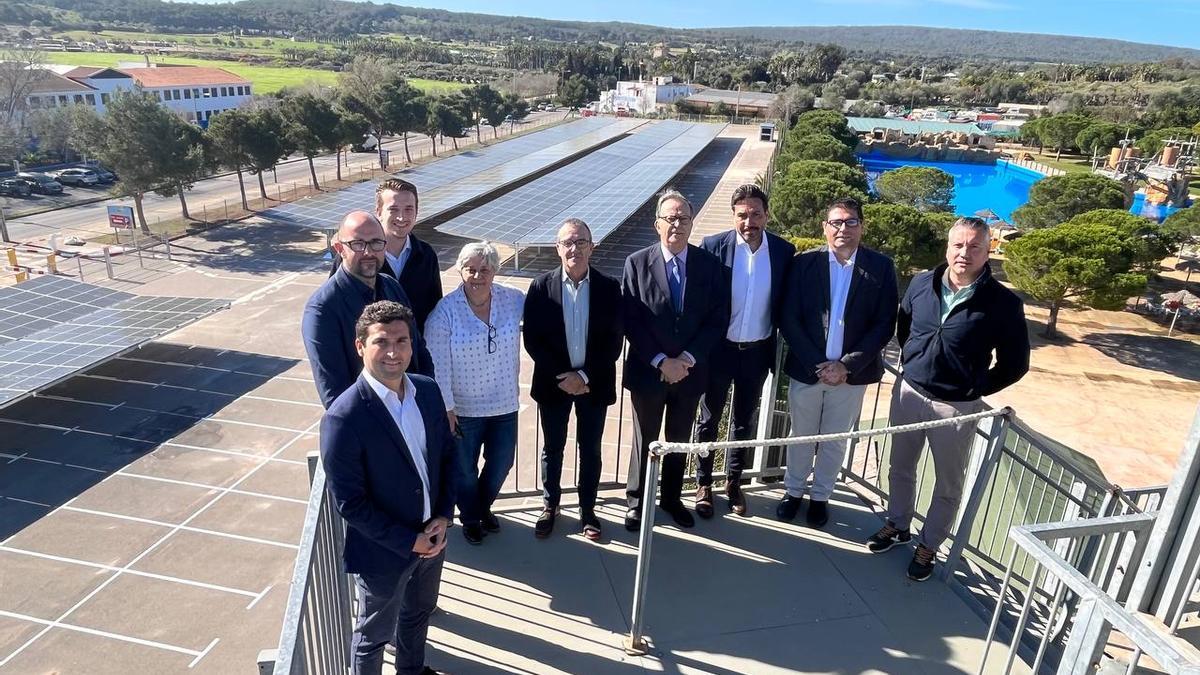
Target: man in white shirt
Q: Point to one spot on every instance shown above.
(755, 263)
(390, 464)
(839, 313)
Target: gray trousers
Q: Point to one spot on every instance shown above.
(819, 409)
(951, 448)
(395, 608)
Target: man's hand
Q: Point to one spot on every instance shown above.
(435, 536)
(572, 383)
(673, 370)
(832, 373)
(453, 419)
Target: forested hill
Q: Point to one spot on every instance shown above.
(339, 18)
(973, 44)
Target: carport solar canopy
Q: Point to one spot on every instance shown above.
(52, 328)
(603, 189)
(448, 183)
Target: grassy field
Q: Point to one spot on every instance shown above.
(255, 45)
(266, 79)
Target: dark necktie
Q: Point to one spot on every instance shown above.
(675, 282)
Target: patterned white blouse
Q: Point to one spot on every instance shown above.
(477, 363)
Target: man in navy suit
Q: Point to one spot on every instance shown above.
(389, 462)
(330, 314)
(839, 313)
(573, 334)
(755, 266)
(676, 309)
(407, 259)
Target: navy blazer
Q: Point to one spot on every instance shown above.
(654, 327)
(781, 252)
(870, 315)
(546, 337)
(421, 278)
(328, 331)
(373, 480)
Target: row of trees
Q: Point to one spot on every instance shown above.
(155, 150)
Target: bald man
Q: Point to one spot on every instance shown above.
(329, 316)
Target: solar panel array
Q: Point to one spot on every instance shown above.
(447, 183)
(52, 328)
(603, 189)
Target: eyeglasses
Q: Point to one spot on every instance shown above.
(360, 245)
(677, 220)
(491, 339)
(844, 223)
(577, 243)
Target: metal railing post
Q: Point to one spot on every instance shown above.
(995, 446)
(1089, 635)
(108, 262)
(636, 642)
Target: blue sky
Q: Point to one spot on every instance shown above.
(1170, 22)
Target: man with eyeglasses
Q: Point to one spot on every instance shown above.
(839, 313)
(327, 326)
(676, 307)
(573, 333)
(755, 263)
(962, 336)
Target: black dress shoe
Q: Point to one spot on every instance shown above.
(817, 514)
(704, 505)
(431, 671)
(737, 500)
(633, 520)
(680, 515)
(788, 506)
(473, 533)
(545, 523)
(490, 522)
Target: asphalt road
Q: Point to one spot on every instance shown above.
(86, 220)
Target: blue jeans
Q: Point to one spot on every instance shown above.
(477, 489)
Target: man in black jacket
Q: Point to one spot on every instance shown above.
(676, 309)
(407, 259)
(755, 263)
(839, 314)
(952, 321)
(573, 334)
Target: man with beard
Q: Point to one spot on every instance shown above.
(329, 316)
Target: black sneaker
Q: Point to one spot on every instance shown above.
(788, 506)
(545, 523)
(886, 538)
(817, 514)
(490, 522)
(473, 533)
(921, 567)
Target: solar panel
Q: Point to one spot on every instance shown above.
(54, 328)
(603, 189)
(462, 174)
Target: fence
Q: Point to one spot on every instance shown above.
(1033, 166)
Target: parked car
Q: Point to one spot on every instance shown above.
(77, 176)
(484, 122)
(41, 183)
(14, 187)
(102, 173)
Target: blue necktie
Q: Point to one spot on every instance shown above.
(676, 284)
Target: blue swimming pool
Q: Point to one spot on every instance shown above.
(1000, 187)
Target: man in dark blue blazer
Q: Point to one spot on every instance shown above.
(389, 460)
(573, 333)
(839, 313)
(329, 316)
(755, 263)
(676, 309)
(407, 259)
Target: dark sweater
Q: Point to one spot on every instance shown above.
(952, 361)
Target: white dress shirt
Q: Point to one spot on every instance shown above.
(667, 258)
(750, 315)
(839, 289)
(398, 261)
(407, 416)
(576, 307)
(474, 382)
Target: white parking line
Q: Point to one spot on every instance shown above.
(101, 633)
(189, 528)
(247, 493)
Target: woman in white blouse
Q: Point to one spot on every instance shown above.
(474, 336)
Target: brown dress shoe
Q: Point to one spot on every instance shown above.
(737, 500)
(704, 505)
